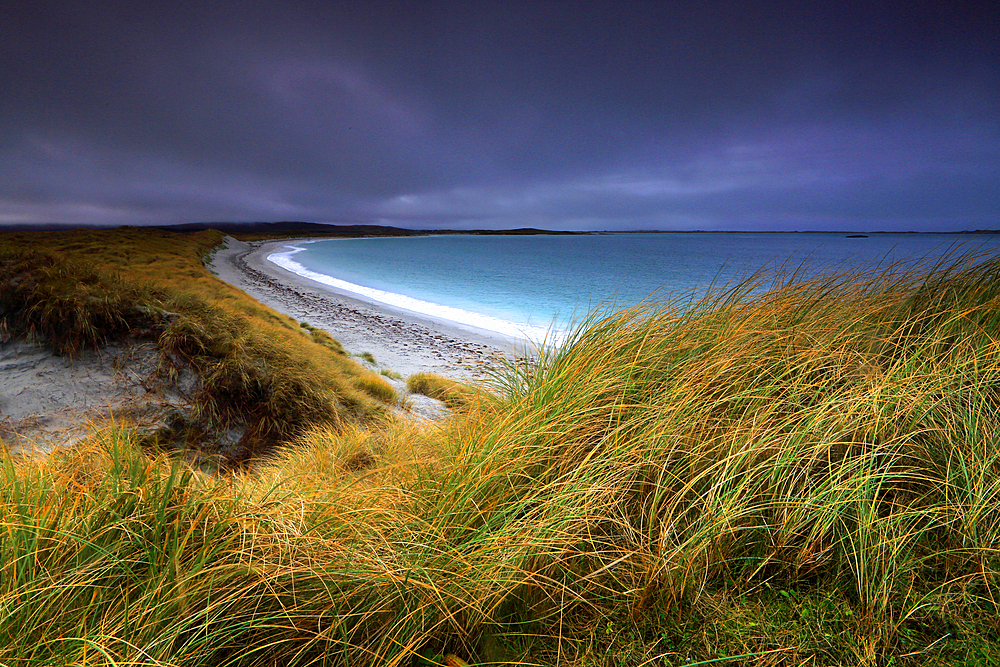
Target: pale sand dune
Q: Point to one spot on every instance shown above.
(400, 340)
(48, 401)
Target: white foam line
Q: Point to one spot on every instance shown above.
(457, 315)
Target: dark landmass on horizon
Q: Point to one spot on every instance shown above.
(294, 228)
(301, 228)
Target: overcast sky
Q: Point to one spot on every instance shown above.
(564, 115)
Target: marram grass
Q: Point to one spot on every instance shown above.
(452, 393)
(258, 370)
(802, 475)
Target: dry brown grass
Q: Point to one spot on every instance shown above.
(258, 369)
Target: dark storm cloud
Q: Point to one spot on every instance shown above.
(590, 115)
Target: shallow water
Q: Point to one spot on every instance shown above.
(523, 285)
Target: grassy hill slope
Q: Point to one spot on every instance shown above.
(258, 370)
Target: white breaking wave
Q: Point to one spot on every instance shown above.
(456, 315)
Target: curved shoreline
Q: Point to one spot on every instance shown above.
(400, 340)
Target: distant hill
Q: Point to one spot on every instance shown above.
(291, 227)
(324, 229)
(521, 231)
(300, 228)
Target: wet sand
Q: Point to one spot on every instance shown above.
(400, 340)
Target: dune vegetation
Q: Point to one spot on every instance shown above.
(452, 393)
(801, 471)
(258, 370)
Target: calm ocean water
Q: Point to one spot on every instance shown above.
(523, 285)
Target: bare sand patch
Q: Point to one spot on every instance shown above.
(49, 401)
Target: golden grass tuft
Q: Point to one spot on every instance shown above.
(456, 395)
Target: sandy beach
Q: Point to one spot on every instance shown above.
(400, 340)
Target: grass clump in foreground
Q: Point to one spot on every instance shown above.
(806, 476)
(454, 394)
(257, 371)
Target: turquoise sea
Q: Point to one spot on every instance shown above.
(526, 285)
